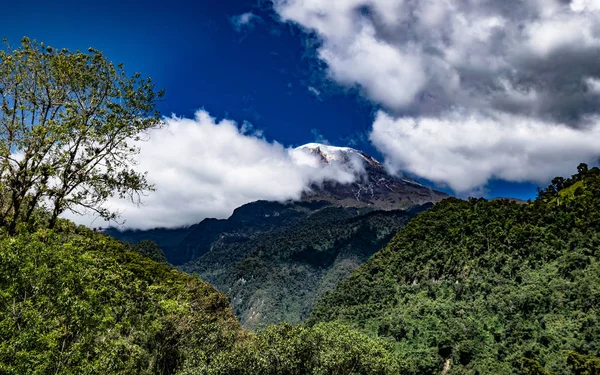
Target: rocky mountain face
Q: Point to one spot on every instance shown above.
(374, 187)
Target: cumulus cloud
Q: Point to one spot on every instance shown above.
(525, 66)
(465, 150)
(205, 168)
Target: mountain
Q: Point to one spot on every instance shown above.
(374, 187)
(486, 287)
(468, 287)
(274, 259)
(182, 245)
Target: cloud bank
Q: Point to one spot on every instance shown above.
(461, 75)
(203, 168)
(465, 150)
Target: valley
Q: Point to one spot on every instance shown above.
(274, 260)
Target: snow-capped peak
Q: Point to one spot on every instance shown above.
(333, 153)
(373, 186)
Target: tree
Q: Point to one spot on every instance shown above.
(69, 125)
(559, 183)
(582, 170)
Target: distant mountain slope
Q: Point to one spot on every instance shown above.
(182, 245)
(275, 259)
(374, 187)
(477, 287)
(278, 275)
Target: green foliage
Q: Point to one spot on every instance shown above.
(80, 303)
(68, 126)
(75, 301)
(469, 287)
(582, 364)
(149, 249)
(531, 367)
(488, 286)
(324, 349)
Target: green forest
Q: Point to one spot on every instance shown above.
(485, 287)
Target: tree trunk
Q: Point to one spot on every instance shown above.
(32, 206)
(12, 227)
(55, 213)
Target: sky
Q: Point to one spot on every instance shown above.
(482, 98)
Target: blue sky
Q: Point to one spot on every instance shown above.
(261, 75)
(267, 73)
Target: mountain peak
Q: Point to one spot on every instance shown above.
(375, 187)
(329, 153)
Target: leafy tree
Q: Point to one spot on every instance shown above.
(77, 302)
(68, 126)
(149, 249)
(582, 169)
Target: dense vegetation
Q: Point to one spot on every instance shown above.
(275, 259)
(469, 287)
(76, 302)
(73, 301)
(276, 276)
(486, 287)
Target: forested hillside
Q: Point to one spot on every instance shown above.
(468, 287)
(183, 245)
(75, 302)
(275, 259)
(276, 276)
(486, 287)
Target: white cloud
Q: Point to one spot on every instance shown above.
(585, 5)
(394, 78)
(549, 35)
(204, 168)
(465, 150)
(314, 91)
(453, 50)
(471, 90)
(593, 84)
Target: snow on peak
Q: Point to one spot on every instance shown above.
(329, 153)
(336, 154)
